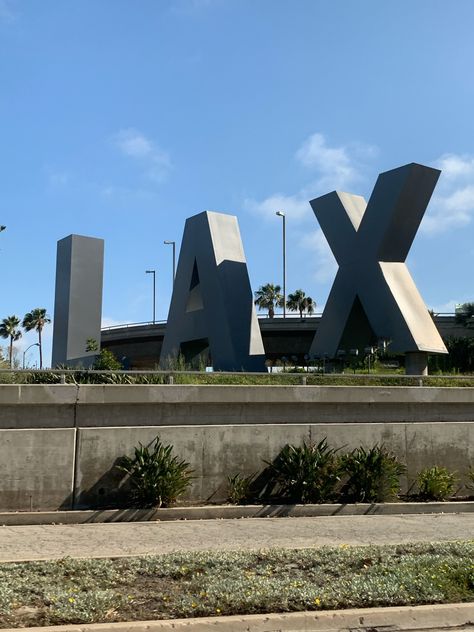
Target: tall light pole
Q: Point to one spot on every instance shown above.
(35, 344)
(282, 215)
(172, 243)
(153, 272)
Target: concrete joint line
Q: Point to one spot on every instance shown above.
(76, 452)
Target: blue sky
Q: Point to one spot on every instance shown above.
(120, 119)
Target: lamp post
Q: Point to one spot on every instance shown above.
(35, 344)
(153, 272)
(282, 215)
(172, 243)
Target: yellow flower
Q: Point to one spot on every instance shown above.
(218, 610)
(194, 604)
(317, 601)
(71, 600)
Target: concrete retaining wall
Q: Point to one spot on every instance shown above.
(59, 444)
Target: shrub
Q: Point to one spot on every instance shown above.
(157, 477)
(307, 473)
(106, 361)
(436, 483)
(239, 487)
(371, 475)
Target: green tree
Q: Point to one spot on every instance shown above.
(37, 319)
(461, 354)
(465, 314)
(91, 345)
(268, 297)
(106, 361)
(299, 302)
(9, 329)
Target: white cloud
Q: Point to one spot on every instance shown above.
(57, 178)
(296, 206)
(449, 307)
(112, 322)
(333, 164)
(324, 261)
(134, 144)
(452, 205)
(332, 168)
(113, 192)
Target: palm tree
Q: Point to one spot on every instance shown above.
(268, 297)
(9, 329)
(36, 319)
(299, 302)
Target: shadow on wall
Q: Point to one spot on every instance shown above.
(111, 490)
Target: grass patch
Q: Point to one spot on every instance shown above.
(211, 583)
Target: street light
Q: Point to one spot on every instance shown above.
(2, 228)
(282, 215)
(153, 272)
(35, 344)
(172, 243)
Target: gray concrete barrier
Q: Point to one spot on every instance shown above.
(59, 444)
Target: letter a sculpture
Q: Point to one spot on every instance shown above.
(212, 316)
(373, 296)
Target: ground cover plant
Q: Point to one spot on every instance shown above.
(224, 583)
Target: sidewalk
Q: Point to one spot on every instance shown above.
(118, 539)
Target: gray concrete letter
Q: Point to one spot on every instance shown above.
(373, 295)
(212, 312)
(78, 299)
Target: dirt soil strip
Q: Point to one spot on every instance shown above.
(439, 617)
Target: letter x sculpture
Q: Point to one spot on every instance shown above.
(373, 296)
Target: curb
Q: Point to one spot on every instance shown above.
(446, 616)
(214, 512)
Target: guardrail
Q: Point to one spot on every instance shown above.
(277, 316)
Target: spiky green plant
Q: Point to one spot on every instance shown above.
(372, 475)
(157, 478)
(239, 488)
(436, 483)
(306, 473)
